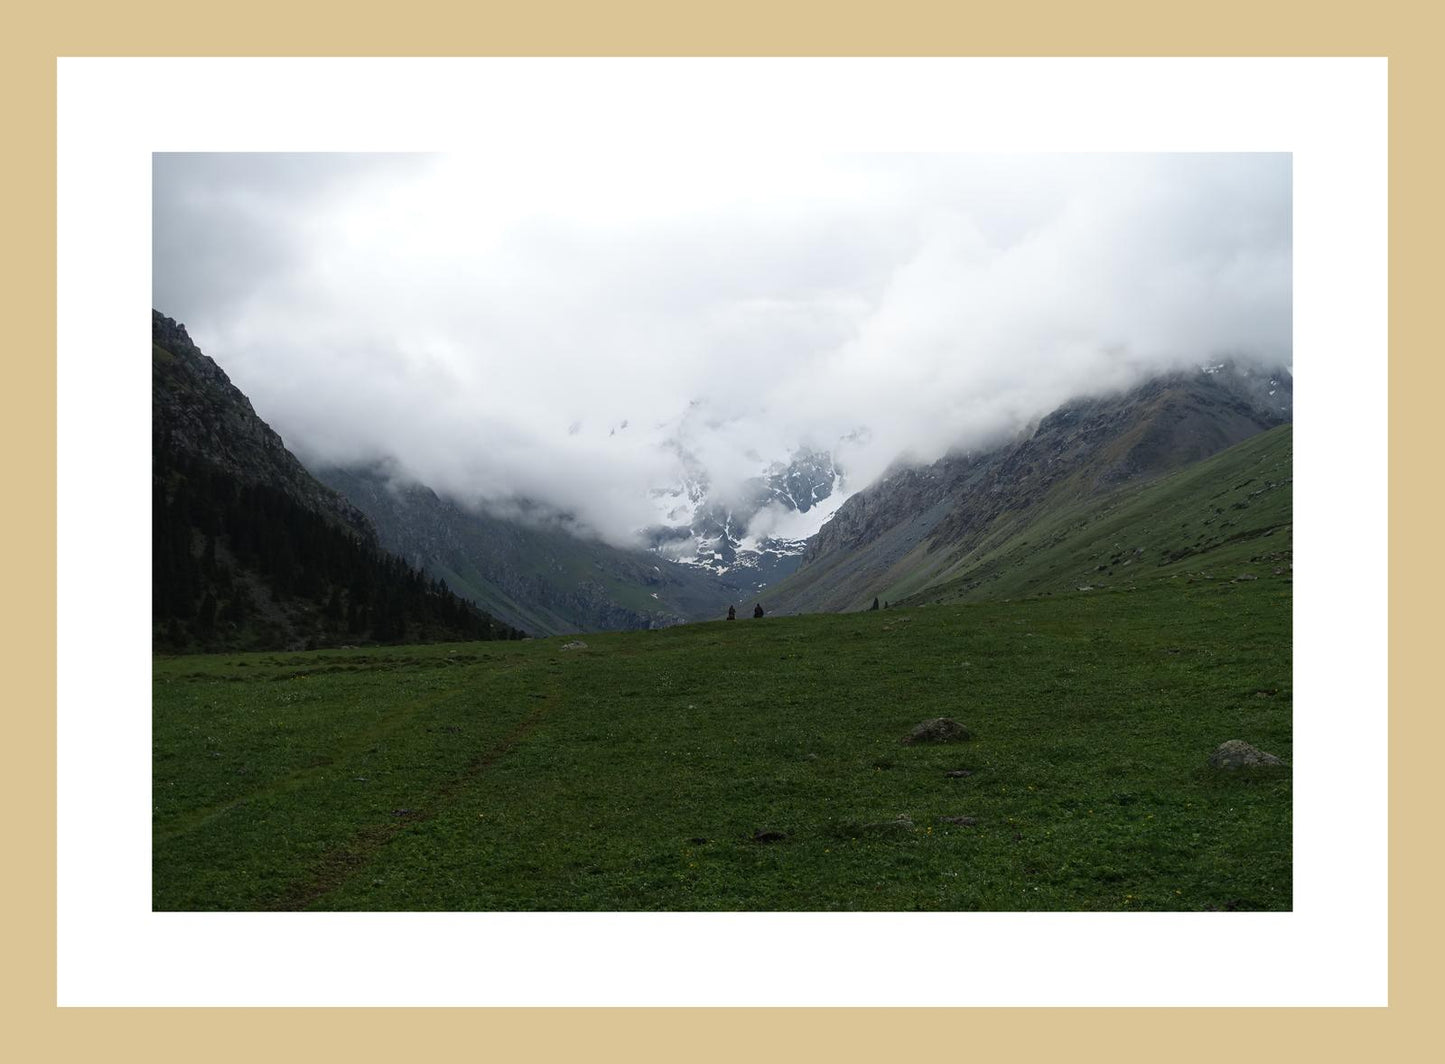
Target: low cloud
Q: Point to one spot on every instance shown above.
(576, 332)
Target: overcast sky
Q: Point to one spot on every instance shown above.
(492, 323)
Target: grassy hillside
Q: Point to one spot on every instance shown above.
(923, 526)
(1227, 517)
(747, 765)
(1224, 517)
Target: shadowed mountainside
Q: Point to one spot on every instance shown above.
(249, 551)
(544, 580)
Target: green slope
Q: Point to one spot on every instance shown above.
(542, 580)
(1227, 517)
(970, 516)
(638, 771)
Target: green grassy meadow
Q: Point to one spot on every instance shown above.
(748, 765)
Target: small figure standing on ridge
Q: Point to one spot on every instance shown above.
(758, 610)
(732, 613)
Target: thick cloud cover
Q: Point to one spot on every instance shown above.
(560, 329)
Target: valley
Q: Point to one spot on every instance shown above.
(367, 695)
(754, 765)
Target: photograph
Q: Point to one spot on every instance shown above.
(579, 529)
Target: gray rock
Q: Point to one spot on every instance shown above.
(576, 644)
(938, 730)
(1236, 754)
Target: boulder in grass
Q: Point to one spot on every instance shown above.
(939, 730)
(1236, 754)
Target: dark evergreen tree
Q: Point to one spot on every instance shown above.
(208, 530)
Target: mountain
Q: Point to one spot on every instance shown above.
(1229, 517)
(249, 551)
(923, 527)
(538, 577)
(756, 539)
(197, 414)
(698, 560)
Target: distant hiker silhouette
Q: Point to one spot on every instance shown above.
(732, 613)
(758, 610)
(875, 605)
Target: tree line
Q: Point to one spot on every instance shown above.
(240, 565)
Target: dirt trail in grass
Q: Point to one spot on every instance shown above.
(339, 865)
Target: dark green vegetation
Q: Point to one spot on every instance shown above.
(238, 565)
(748, 765)
(249, 550)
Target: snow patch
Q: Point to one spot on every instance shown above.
(776, 522)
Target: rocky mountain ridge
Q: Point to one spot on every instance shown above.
(197, 412)
(908, 528)
(720, 536)
(249, 551)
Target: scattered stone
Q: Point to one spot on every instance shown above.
(769, 836)
(939, 730)
(576, 644)
(966, 821)
(958, 773)
(1245, 576)
(1236, 753)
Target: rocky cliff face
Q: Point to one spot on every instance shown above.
(806, 480)
(197, 413)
